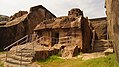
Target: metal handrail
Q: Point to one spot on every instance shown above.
(15, 42)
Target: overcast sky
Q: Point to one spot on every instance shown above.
(91, 8)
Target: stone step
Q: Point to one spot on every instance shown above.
(13, 61)
(101, 45)
(25, 59)
(6, 64)
(25, 54)
(25, 51)
(100, 49)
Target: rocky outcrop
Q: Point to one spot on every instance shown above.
(19, 14)
(3, 18)
(38, 14)
(113, 23)
(13, 31)
(73, 25)
(60, 22)
(100, 27)
(109, 51)
(75, 12)
(21, 26)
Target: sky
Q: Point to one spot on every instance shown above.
(90, 8)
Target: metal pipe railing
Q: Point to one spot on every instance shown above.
(15, 42)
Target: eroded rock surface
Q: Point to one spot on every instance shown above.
(22, 25)
(70, 51)
(4, 18)
(113, 23)
(19, 14)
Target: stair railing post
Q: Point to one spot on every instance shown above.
(69, 39)
(6, 55)
(21, 59)
(17, 47)
(93, 40)
(27, 38)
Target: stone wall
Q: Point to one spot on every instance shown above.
(75, 36)
(112, 12)
(49, 35)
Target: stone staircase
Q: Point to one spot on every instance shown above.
(21, 58)
(21, 52)
(101, 45)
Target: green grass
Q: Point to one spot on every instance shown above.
(2, 52)
(1, 64)
(53, 58)
(109, 61)
(55, 61)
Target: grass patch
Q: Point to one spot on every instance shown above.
(55, 61)
(109, 61)
(53, 58)
(2, 52)
(1, 64)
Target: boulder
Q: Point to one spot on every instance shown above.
(70, 51)
(109, 51)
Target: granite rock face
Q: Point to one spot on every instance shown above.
(22, 24)
(112, 12)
